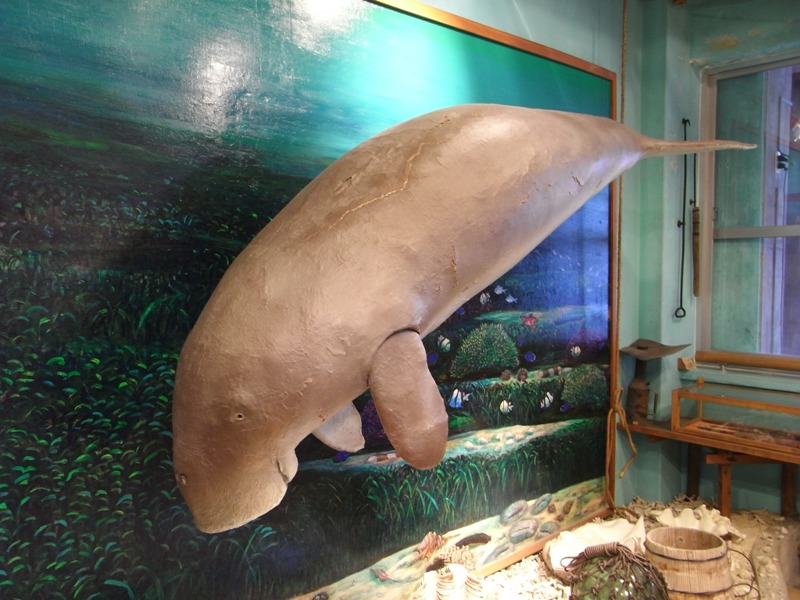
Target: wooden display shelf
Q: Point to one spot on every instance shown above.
(767, 422)
(661, 430)
(725, 453)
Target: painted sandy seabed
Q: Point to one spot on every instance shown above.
(399, 576)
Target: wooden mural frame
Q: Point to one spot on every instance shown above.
(142, 159)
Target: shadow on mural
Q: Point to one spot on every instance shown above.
(141, 148)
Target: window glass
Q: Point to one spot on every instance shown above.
(755, 288)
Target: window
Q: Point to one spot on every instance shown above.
(750, 275)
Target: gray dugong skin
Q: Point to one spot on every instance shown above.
(334, 295)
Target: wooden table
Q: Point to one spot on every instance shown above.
(724, 453)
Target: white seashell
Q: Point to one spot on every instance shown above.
(701, 518)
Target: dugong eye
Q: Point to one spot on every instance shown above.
(238, 416)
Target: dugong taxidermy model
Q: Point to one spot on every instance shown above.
(334, 296)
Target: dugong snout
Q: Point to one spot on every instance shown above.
(222, 498)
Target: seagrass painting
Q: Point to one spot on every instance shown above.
(142, 146)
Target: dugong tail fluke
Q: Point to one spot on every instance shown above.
(653, 147)
(335, 294)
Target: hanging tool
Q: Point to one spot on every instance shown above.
(680, 312)
(695, 233)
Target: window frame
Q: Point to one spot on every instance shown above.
(704, 353)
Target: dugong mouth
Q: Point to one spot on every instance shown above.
(234, 497)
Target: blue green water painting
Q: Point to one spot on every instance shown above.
(142, 145)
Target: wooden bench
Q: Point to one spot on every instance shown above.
(725, 454)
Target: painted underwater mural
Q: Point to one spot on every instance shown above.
(142, 146)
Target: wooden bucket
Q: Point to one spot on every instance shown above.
(692, 561)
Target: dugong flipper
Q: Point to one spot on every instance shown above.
(333, 296)
(403, 390)
(342, 431)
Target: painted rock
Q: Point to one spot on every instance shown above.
(501, 550)
(513, 511)
(523, 530)
(541, 503)
(548, 528)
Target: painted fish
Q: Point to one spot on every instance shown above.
(457, 399)
(341, 456)
(474, 539)
(506, 407)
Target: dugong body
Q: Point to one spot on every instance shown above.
(335, 294)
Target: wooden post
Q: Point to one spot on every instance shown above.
(788, 490)
(725, 490)
(693, 470)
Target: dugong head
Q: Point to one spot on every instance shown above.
(232, 462)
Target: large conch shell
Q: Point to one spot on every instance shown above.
(702, 518)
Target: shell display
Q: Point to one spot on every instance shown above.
(702, 518)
